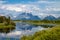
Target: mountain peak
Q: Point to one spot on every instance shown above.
(50, 17)
(27, 16)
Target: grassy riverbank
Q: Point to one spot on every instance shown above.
(6, 24)
(6, 29)
(37, 22)
(43, 23)
(49, 34)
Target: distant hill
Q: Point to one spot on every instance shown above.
(50, 17)
(58, 18)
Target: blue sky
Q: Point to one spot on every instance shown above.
(37, 7)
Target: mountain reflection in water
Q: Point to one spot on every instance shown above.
(21, 29)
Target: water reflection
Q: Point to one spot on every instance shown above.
(21, 29)
(6, 30)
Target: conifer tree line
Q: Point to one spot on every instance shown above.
(6, 20)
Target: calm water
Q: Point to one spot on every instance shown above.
(21, 29)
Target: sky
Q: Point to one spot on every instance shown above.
(40, 8)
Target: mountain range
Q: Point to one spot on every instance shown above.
(26, 16)
(29, 16)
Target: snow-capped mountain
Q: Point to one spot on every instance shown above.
(26, 16)
(50, 17)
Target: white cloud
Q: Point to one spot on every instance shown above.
(20, 8)
(14, 16)
(40, 8)
(1, 2)
(31, 8)
(14, 9)
(45, 2)
(53, 9)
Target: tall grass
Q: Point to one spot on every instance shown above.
(49, 34)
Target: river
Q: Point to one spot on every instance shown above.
(21, 29)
